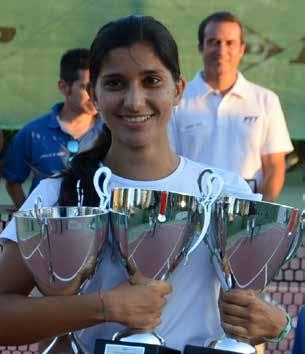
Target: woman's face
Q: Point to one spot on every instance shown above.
(135, 93)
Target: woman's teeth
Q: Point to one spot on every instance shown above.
(138, 119)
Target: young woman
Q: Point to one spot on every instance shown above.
(135, 83)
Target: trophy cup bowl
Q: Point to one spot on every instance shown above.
(249, 242)
(153, 231)
(62, 246)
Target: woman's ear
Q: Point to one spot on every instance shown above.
(180, 86)
(63, 87)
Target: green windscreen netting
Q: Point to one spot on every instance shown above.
(35, 33)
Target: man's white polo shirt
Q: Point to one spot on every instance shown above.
(230, 132)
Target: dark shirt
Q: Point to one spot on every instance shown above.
(41, 147)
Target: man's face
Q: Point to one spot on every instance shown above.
(222, 48)
(77, 95)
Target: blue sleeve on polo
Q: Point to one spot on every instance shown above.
(15, 166)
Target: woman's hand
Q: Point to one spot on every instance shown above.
(245, 316)
(137, 305)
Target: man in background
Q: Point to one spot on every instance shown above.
(225, 120)
(45, 145)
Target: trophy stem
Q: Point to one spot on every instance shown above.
(66, 344)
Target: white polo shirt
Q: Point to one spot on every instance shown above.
(230, 132)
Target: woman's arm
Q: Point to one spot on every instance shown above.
(138, 306)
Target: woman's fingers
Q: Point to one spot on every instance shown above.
(234, 310)
(138, 306)
(238, 332)
(245, 315)
(164, 287)
(240, 297)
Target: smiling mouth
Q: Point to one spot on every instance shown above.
(137, 119)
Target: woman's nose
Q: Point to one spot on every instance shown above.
(135, 97)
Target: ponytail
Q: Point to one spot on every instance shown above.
(83, 167)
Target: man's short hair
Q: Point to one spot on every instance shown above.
(223, 16)
(72, 61)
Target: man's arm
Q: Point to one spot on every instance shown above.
(273, 176)
(15, 191)
(15, 168)
(1, 140)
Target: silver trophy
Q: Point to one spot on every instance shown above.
(249, 243)
(63, 245)
(153, 230)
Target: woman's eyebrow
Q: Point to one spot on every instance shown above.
(153, 71)
(143, 72)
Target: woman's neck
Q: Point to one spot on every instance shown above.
(143, 164)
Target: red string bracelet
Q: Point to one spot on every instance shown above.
(104, 311)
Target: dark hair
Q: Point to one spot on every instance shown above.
(133, 29)
(72, 61)
(123, 32)
(83, 167)
(216, 17)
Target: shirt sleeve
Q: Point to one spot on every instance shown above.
(48, 191)
(276, 138)
(15, 166)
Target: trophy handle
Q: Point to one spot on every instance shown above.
(214, 185)
(44, 230)
(38, 216)
(103, 193)
(80, 194)
(299, 238)
(38, 207)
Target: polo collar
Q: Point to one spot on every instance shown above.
(199, 85)
(202, 87)
(53, 122)
(239, 88)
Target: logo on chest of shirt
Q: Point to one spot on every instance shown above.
(250, 119)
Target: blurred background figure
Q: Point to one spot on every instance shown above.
(1, 140)
(299, 339)
(45, 145)
(226, 121)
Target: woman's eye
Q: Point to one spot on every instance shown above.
(152, 81)
(113, 84)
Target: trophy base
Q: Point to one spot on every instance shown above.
(226, 345)
(235, 346)
(118, 347)
(190, 349)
